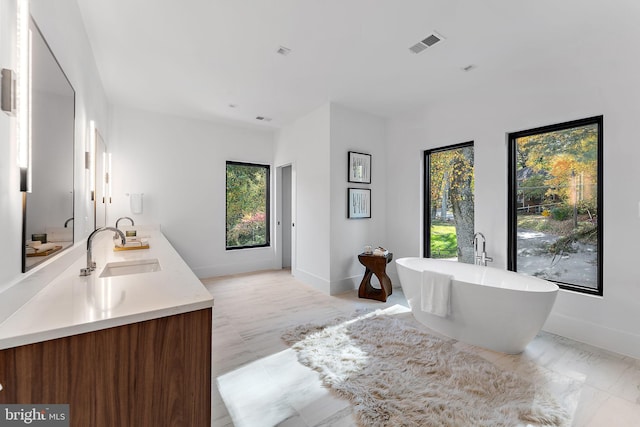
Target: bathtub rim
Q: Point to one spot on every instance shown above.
(539, 285)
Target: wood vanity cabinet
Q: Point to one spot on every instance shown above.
(151, 373)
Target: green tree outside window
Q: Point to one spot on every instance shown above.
(247, 217)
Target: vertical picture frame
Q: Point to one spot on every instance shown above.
(359, 168)
(358, 203)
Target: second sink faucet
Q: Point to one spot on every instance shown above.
(115, 236)
(124, 217)
(90, 264)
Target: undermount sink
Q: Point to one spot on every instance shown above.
(123, 268)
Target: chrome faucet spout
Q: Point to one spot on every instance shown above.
(124, 217)
(480, 257)
(90, 264)
(115, 236)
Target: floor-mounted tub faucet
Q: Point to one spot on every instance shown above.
(480, 258)
(90, 264)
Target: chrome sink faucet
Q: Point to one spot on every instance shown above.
(480, 258)
(115, 236)
(124, 217)
(90, 264)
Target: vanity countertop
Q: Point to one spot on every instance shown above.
(71, 304)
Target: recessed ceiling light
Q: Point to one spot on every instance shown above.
(284, 51)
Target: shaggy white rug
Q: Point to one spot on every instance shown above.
(397, 375)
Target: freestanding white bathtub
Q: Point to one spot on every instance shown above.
(491, 308)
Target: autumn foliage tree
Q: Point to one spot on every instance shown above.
(452, 182)
(563, 163)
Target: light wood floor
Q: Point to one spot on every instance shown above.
(264, 385)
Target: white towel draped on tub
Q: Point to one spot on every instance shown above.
(436, 288)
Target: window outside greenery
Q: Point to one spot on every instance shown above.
(449, 209)
(247, 222)
(555, 204)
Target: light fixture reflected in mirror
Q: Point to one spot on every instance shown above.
(108, 178)
(100, 178)
(90, 159)
(23, 95)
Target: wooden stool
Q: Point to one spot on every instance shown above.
(375, 265)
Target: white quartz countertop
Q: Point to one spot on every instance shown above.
(72, 304)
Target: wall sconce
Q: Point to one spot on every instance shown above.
(23, 96)
(8, 103)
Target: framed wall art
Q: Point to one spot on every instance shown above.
(359, 203)
(359, 167)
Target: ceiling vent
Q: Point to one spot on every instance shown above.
(284, 51)
(429, 41)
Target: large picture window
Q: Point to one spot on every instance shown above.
(247, 222)
(555, 204)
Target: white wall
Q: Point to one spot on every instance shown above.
(600, 83)
(355, 131)
(327, 242)
(62, 27)
(179, 166)
(305, 145)
(10, 196)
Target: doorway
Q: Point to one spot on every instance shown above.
(286, 219)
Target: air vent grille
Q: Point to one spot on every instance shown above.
(417, 48)
(429, 41)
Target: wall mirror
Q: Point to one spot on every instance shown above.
(48, 208)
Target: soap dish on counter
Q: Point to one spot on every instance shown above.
(133, 244)
(129, 248)
(47, 252)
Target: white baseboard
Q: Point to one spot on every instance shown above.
(227, 269)
(614, 340)
(345, 285)
(312, 280)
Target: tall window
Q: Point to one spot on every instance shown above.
(247, 205)
(449, 204)
(555, 204)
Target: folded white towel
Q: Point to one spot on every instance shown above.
(436, 288)
(59, 234)
(45, 247)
